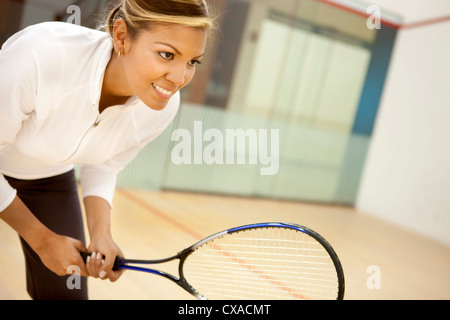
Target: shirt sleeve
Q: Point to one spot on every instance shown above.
(18, 93)
(100, 180)
(7, 193)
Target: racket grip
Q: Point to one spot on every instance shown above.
(116, 266)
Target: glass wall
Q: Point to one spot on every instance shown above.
(309, 72)
(301, 67)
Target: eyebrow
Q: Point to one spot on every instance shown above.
(176, 50)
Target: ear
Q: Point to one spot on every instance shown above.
(120, 35)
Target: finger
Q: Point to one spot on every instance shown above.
(82, 266)
(107, 266)
(90, 265)
(79, 246)
(96, 262)
(98, 265)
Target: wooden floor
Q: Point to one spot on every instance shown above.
(154, 225)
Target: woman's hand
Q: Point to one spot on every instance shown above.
(59, 253)
(102, 248)
(101, 261)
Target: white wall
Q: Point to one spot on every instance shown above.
(407, 175)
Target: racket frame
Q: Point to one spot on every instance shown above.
(132, 264)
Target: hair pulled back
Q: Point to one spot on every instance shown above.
(141, 15)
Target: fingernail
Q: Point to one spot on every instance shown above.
(102, 274)
(103, 261)
(88, 259)
(93, 255)
(99, 256)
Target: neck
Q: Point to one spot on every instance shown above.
(114, 87)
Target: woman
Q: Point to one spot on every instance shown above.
(72, 95)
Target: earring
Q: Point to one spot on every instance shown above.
(119, 53)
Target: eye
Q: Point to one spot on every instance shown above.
(166, 55)
(193, 63)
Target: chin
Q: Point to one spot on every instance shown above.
(156, 105)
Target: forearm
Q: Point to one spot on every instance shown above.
(98, 216)
(22, 220)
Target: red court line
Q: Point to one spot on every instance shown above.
(384, 21)
(425, 23)
(358, 12)
(198, 236)
(261, 274)
(147, 206)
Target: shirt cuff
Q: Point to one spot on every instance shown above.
(7, 193)
(97, 182)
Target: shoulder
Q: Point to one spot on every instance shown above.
(55, 33)
(59, 56)
(56, 44)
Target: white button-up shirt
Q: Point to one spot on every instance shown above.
(51, 75)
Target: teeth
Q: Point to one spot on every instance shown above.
(163, 91)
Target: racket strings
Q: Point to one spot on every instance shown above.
(267, 264)
(264, 263)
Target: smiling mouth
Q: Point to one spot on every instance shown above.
(162, 91)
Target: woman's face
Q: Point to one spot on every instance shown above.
(161, 61)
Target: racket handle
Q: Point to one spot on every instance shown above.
(116, 266)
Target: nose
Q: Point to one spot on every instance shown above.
(178, 75)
